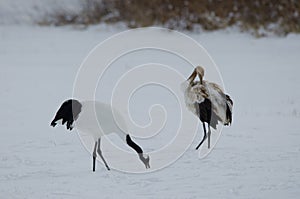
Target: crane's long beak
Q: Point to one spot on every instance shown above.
(192, 76)
(200, 78)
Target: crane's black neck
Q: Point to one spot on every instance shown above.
(139, 151)
(133, 145)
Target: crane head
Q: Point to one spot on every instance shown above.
(197, 71)
(200, 71)
(146, 160)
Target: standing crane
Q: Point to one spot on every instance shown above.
(87, 116)
(208, 102)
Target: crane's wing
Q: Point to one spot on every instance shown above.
(194, 94)
(99, 119)
(222, 103)
(218, 100)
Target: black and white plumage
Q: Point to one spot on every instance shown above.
(208, 102)
(87, 116)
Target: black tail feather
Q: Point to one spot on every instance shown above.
(68, 112)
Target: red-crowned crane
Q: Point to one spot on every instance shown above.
(207, 101)
(87, 116)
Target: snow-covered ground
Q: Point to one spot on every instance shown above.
(257, 157)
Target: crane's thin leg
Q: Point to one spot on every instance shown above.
(204, 136)
(209, 133)
(94, 157)
(100, 153)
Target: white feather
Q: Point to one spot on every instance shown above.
(196, 93)
(98, 119)
(218, 99)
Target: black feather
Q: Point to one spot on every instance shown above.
(68, 112)
(207, 114)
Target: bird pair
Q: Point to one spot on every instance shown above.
(205, 99)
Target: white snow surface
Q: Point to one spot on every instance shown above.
(257, 157)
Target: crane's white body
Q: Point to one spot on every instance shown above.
(196, 93)
(191, 95)
(217, 98)
(207, 101)
(97, 119)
